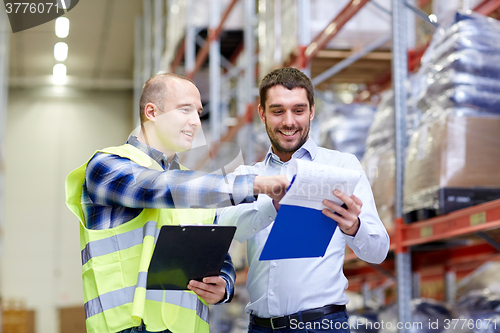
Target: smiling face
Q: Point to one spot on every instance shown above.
(177, 122)
(287, 116)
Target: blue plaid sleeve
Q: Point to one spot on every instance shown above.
(228, 273)
(112, 180)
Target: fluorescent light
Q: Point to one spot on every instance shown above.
(62, 27)
(59, 74)
(61, 51)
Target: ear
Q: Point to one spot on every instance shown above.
(311, 116)
(150, 111)
(262, 114)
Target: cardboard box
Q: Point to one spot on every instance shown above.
(18, 321)
(451, 151)
(380, 167)
(72, 320)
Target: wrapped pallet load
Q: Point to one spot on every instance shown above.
(453, 156)
(379, 160)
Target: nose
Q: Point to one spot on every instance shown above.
(194, 120)
(288, 119)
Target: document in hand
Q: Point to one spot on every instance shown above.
(301, 230)
(184, 253)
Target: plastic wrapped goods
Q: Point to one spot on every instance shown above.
(461, 67)
(450, 150)
(476, 312)
(346, 128)
(379, 161)
(380, 166)
(428, 316)
(478, 306)
(482, 278)
(456, 146)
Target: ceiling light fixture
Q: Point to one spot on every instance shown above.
(59, 74)
(62, 27)
(61, 51)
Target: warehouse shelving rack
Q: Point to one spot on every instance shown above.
(447, 263)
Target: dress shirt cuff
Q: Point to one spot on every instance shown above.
(243, 189)
(359, 239)
(266, 211)
(228, 296)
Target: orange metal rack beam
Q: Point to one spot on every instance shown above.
(303, 55)
(465, 221)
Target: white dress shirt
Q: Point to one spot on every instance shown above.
(282, 287)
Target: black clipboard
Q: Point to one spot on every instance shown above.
(184, 253)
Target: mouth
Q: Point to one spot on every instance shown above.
(190, 134)
(289, 133)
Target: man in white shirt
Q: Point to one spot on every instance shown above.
(295, 295)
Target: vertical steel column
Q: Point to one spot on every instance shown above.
(399, 74)
(138, 73)
(450, 280)
(415, 282)
(277, 32)
(190, 40)
(366, 293)
(147, 48)
(4, 90)
(215, 72)
(304, 29)
(251, 91)
(158, 35)
(379, 295)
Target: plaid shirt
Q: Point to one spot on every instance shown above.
(116, 190)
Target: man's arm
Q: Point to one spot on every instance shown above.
(115, 180)
(249, 218)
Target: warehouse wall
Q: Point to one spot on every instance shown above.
(50, 132)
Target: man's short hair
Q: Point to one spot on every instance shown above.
(155, 90)
(289, 78)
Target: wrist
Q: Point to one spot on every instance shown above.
(257, 185)
(352, 230)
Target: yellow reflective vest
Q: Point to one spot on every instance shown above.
(116, 261)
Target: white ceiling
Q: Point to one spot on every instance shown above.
(101, 45)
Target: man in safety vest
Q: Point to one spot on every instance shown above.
(123, 195)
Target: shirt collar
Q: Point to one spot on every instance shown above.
(156, 155)
(308, 148)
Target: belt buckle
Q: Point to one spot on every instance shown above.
(275, 327)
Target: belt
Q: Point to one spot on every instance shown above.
(303, 316)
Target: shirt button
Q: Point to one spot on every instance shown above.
(364, 252)
(270, 218)
(275, 264)
(254, 230)
(272, 293)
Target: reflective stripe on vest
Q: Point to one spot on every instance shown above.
(126, 295)
(119, 242)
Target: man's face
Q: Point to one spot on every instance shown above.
(287, 115)
(178, 121)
